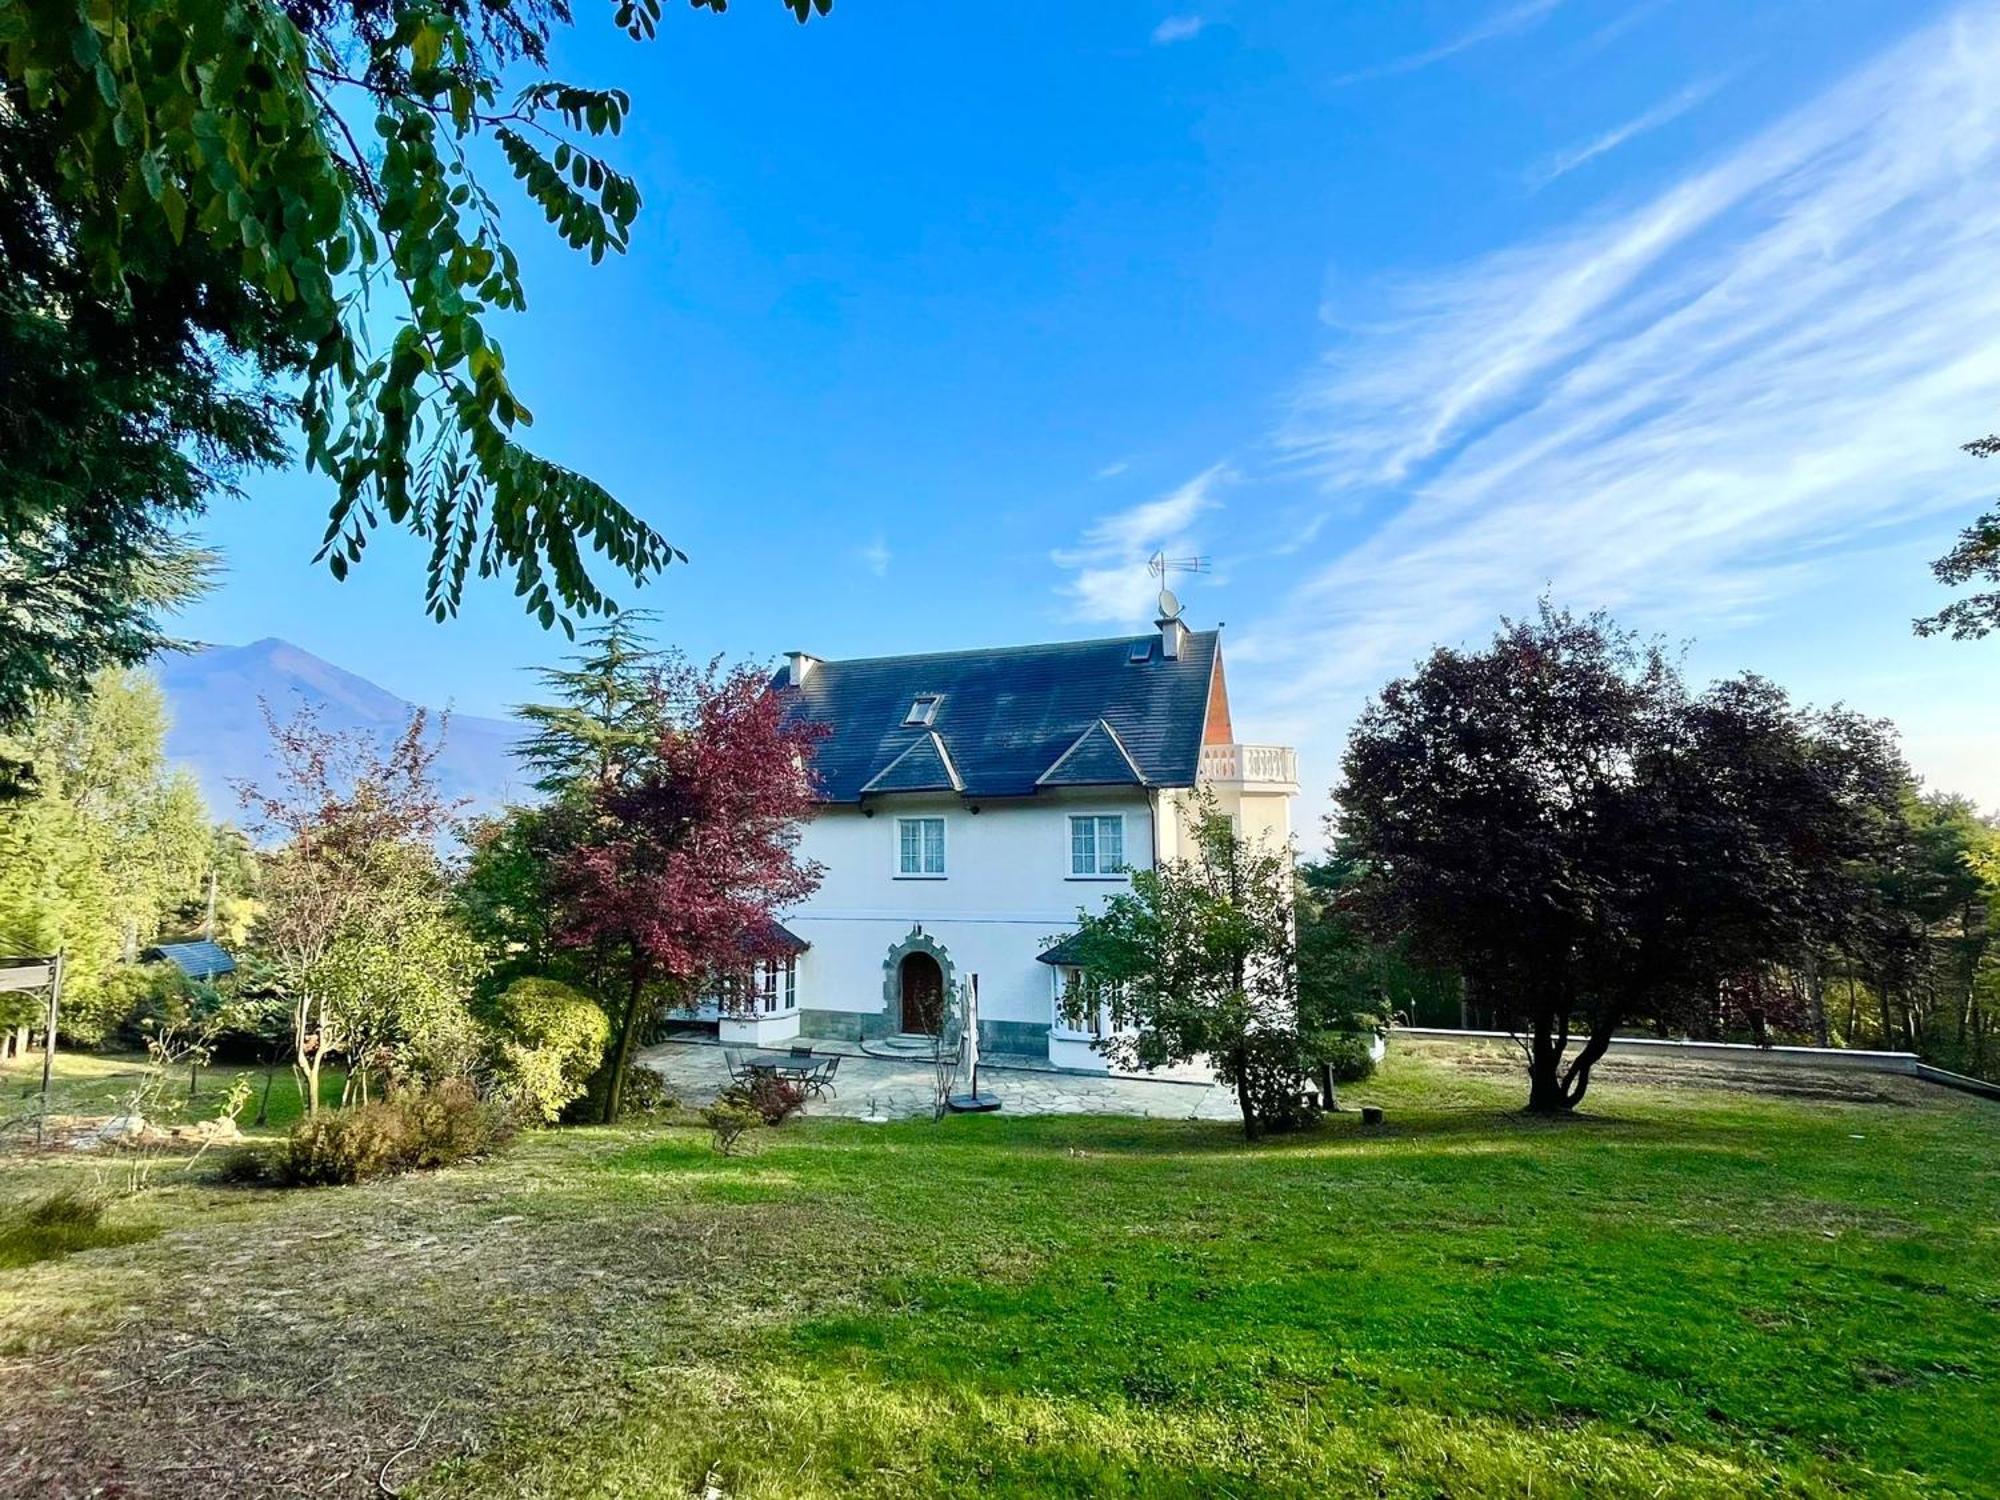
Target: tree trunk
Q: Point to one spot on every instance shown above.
(307, 1068)
(1553, 1089)
(305, 1055)
(1545, 1053)
(264, 1104)
(1577, 1080)
(614, 1093)
(1253, 1129)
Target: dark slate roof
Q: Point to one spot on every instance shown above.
(197, 960)
(1008, 715)
(776, 935)
(1066, 953)
(1096, 758)
(923, 767)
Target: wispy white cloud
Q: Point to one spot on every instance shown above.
(1177, 29)
(1666, 111)
(1685, 410)
(1107, 578)
(1515, 18)
(1113, 469)
(875, 556)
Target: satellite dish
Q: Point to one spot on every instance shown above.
(1170, 606)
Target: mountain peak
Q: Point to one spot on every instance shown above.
(217, 730)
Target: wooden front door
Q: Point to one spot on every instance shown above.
(923, 994)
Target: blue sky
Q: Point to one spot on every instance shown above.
(940, 318)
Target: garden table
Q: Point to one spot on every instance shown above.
(783, 1064)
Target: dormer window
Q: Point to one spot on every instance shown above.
(923, 711)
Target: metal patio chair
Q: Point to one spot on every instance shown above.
(819, 1083)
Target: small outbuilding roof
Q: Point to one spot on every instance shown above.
(198, 960)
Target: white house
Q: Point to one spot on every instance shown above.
(972, 801)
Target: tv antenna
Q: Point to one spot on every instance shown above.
(1164, 567)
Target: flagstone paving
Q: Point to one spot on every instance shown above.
(876, 1088)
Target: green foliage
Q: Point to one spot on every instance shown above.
(552, 1041)
(728, 1121)
(1918, 967)
(606, 712)
(1200, 958)
(643, 1092)
(503, 890)
(201, 154)
(61, 1223)
(1272, 1071)
(1349, 1056)
(358, 926)
(1348, 980)
(400, 974)
(122, 410)
(1975, 558)
(117, 1005)
(410, 1131)
(108, 842)
(765, 1100)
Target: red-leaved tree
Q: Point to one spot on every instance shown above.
(691, 851)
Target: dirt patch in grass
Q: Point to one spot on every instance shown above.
(306, 1343)
(1492, 1061)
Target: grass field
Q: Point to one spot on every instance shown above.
(1690, 1292)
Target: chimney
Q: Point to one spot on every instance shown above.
(801, 666)
(1173, 636)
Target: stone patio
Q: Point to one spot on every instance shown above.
(882, 1089)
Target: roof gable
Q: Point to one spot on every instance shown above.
(1007, 716)
(1096, 758)
(924, 765)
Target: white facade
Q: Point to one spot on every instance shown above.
(1015, 873)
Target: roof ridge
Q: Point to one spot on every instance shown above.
(974, 651)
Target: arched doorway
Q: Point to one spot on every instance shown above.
(922, 988)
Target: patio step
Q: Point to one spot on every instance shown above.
(902, 1044)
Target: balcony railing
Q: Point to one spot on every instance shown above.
(1251, 765)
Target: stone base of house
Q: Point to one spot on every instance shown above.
(846, 1025)
(1014, 1039)
(996, 1038)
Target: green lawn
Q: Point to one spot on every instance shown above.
(91, 1083)
(1691, 1292)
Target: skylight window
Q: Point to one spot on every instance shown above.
(923, 710)
(1142, 651)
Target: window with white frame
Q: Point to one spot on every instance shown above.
(920, 848)
(1081, 1008)
(923, 711)
(1097, 845)
(777, 983)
